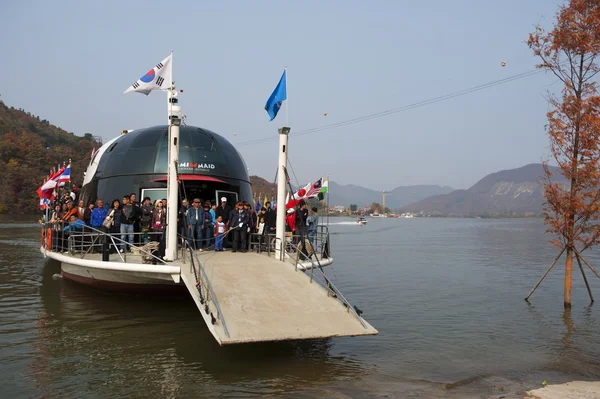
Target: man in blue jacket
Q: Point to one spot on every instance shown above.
(195, 221)
(98, 215)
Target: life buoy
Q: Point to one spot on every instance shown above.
(49, 239)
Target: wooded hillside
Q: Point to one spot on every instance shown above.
(29, 148)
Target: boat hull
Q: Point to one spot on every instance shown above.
(119, 276)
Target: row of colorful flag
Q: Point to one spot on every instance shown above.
(318, 189)
(57, 178)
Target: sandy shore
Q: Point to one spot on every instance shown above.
(569, 390)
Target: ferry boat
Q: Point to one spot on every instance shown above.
(362, 221)
(278, 293)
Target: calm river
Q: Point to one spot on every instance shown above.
(445, 294)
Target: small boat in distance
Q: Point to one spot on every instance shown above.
(362, 221)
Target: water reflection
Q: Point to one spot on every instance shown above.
(163, 346)
(570, 329)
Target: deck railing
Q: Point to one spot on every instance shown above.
(89, 240)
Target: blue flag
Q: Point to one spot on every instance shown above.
(278, 96)
(258, 205)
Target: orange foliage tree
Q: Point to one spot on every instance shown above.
(570, 51)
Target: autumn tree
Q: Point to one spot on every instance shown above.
(570, 51)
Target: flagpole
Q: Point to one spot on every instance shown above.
(172, 188)
(286, 99)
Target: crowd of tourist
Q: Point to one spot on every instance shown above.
(205, 226)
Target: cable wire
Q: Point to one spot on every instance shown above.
(400, 109)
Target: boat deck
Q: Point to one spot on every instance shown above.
(263, 299)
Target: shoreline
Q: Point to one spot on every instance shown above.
(567, 390)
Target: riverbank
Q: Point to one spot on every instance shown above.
(568, 390)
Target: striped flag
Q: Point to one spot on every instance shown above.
(158, 78)
(65, 176)
(315, 189)
(51, 183)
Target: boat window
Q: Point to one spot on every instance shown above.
(154, 194)
(162, 156)
(232, 197)
(201, 141)
(144, 141)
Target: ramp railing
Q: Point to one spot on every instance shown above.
(205, 289)
(318, 274)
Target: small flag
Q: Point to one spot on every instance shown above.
(324, 189)
(65, 176)
(258, 205)
(273, 203)
(315, 189)
(278, 96)
(51, 183)
(158, 78)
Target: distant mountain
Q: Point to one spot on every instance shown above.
(396, 198)
(361, 196)
(514, 192)
(263, 187)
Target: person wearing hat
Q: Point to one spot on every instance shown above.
(224, 210)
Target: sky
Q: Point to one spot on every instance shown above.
(70, 61)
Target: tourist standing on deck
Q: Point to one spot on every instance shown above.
(128, 214)
(224, 211)
(313, 223)
(208, 231)
(195, 223)
(98, 215)
(81, 209)
(159, 217)
(251, 223)
(219, 233)
(301, 217)
(239, 223)
(87, 214)
(146, 218)
(71, 210)
(115, 221)
(182, 218)
(137, 215)
(270, 218)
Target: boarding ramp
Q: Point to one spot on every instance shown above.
(252, 297)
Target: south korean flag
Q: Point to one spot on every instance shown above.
(158, 78)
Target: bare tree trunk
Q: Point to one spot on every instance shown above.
(568, 277)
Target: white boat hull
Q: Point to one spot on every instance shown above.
(119, 276)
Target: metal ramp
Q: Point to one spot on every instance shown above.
(249, 297)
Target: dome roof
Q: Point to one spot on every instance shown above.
(145, 151)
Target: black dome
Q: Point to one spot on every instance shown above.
(136, 162)
(144, 151)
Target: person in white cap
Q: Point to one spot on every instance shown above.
(224, 210)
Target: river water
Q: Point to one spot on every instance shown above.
(445, 294)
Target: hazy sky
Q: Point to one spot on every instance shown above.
(70, 61)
